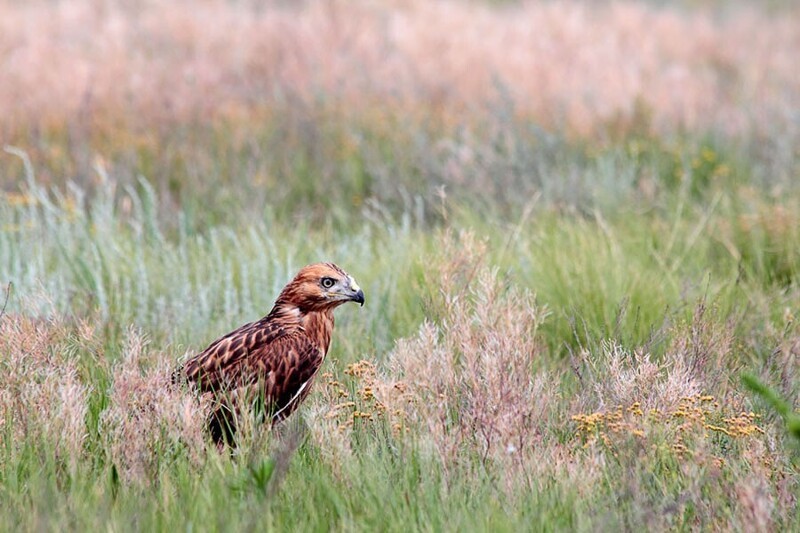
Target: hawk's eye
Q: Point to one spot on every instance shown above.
(328, 282)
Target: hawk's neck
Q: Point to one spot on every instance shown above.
(318, 325)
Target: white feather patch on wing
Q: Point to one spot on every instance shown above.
(290, 402)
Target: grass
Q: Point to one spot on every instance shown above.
(559, 312)
(623, 314)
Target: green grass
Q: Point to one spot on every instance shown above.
(657, 278)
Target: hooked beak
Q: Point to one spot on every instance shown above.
(356, 294)
(358, 297)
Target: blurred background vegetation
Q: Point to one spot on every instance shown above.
(576, 224)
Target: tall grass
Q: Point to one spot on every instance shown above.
(535, 361)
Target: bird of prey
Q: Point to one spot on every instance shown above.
(274, 359)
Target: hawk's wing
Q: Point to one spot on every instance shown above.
(281, 361)
(208, 368)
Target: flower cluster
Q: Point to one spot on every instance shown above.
(695, 415)
(360, 400)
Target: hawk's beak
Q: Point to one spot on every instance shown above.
(359, 297)
(357, 293)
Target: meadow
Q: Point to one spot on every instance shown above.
(577, 225)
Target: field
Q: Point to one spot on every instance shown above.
(577, 226)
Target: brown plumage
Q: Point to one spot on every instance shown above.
(274, 359)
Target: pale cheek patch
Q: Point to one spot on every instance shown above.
(353, 284)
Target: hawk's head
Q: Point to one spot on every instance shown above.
(319, 287)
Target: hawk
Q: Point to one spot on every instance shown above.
(273, 360)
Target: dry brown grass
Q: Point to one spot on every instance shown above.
(99, 65)
(42, 398)
(148, 419)
(475, 371)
